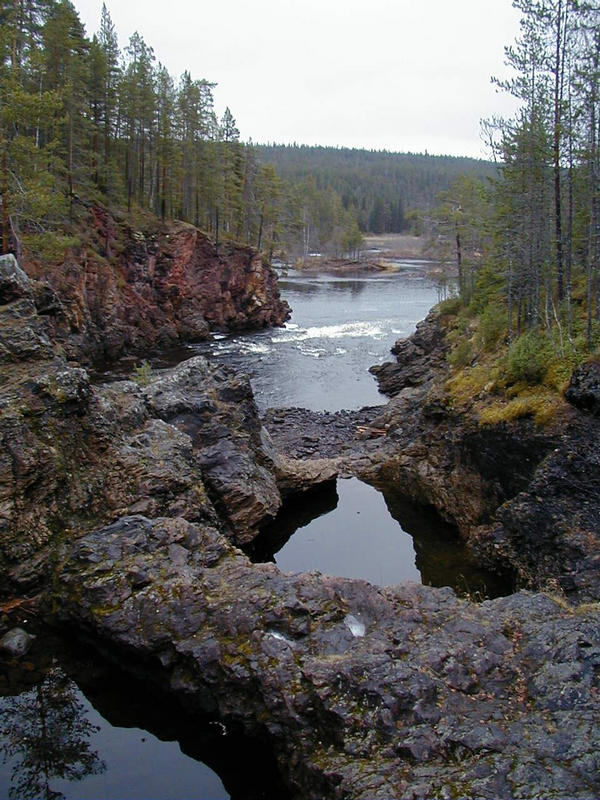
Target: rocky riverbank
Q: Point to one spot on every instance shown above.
(524, 496)
(131, 290)
(361, 692)
(124, 507)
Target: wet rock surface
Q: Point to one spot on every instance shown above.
(305, 434)
(362, 692)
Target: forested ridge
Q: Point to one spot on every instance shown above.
(82, 121)
(388, 192)
(527, 245)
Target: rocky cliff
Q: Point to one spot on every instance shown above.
(74, 455)
(133, 290)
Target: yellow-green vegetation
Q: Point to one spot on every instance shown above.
(503, 381)
(142, 374)
(541, 407)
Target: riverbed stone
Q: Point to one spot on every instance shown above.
(16, 643)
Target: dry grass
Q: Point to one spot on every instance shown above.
(542, 407)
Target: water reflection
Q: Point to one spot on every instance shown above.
(442, 557)
(318, 286)
(108, 734)
(46, 735)
(351, 529)
(356, 539)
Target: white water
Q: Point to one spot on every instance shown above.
(340, 326)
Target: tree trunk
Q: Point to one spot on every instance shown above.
(558, 81)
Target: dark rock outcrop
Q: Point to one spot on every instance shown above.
(133, 291)
(417, 358)
(524, 497)
(584, 388)
(403, 692)
(187, 445)
(551, 530)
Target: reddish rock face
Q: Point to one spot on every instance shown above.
(232, 288)
(130, 291)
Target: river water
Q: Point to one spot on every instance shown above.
(68, 731)
(340, 326)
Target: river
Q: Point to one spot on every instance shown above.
(340, 326)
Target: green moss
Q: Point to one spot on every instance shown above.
(467, 384)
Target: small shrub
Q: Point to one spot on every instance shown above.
(142, 374)
(462, 354)
(492, 328)
(529, 358)
(49, 246)
(450, 307)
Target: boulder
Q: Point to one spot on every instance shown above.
(16, 643)
(361, 692)
(14, 282)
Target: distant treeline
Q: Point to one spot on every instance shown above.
(388, 192)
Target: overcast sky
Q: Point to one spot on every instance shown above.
(401, 75)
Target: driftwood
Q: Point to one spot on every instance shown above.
(366, 432)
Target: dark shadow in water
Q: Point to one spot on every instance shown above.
(246, 766)
(108, 370)
(373, 548)
(296, 512)
(442, 557)
(46, 735)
